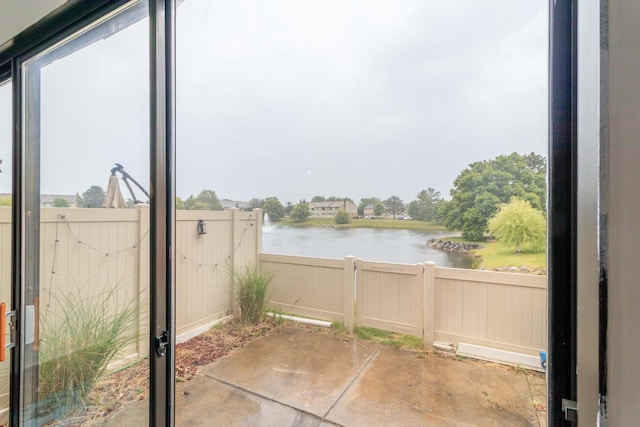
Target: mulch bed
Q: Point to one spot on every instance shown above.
(207, 348)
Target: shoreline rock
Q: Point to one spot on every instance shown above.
(538, 271)
(466, 248)
(450, 246)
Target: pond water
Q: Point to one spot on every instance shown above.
(373, 244)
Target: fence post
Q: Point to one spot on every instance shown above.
(418, 295)
(144, 276)
(257, 213)
(429, 304)
(235, 235)
(349, 291)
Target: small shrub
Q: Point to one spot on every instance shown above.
(342, 217)
(251, 286)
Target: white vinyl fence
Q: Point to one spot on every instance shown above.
(85, 252)
(491, 315)
(84, 249)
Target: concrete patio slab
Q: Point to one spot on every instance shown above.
(299, 378)
(306, 371)
(205, 402)
(400, 388)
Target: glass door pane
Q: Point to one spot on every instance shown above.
(86, 127)
(361, 129)
(5, 238)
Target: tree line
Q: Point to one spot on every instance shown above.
(488, 196)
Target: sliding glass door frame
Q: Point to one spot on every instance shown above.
(162, 65)
(57, 26)
(7, 74)
(562, 211)
(74, 15)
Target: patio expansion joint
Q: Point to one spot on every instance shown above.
(355, 378)
(260, 396)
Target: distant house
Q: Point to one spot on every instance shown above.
(369, 210)
(228, 204)
(329, 209)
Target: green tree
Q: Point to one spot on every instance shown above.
(288, 209)
(179, 204)
(256, 203)
(93, 197)
(480, 189)
(273, 208)
(199, 206)
(191, 200)
(378, 209)
(518, 223)
(206, 200)
(394, 205)
(342, 217)
(425, 208)
(210, 198)
(318, 199)
(300, 212)
(60, 202)
(338, 199)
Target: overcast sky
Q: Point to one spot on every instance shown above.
(303, 98)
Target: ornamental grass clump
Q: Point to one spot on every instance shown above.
(251, 285)
(77, 346)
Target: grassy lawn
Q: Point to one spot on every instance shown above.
(367, 223)
(496, 255)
